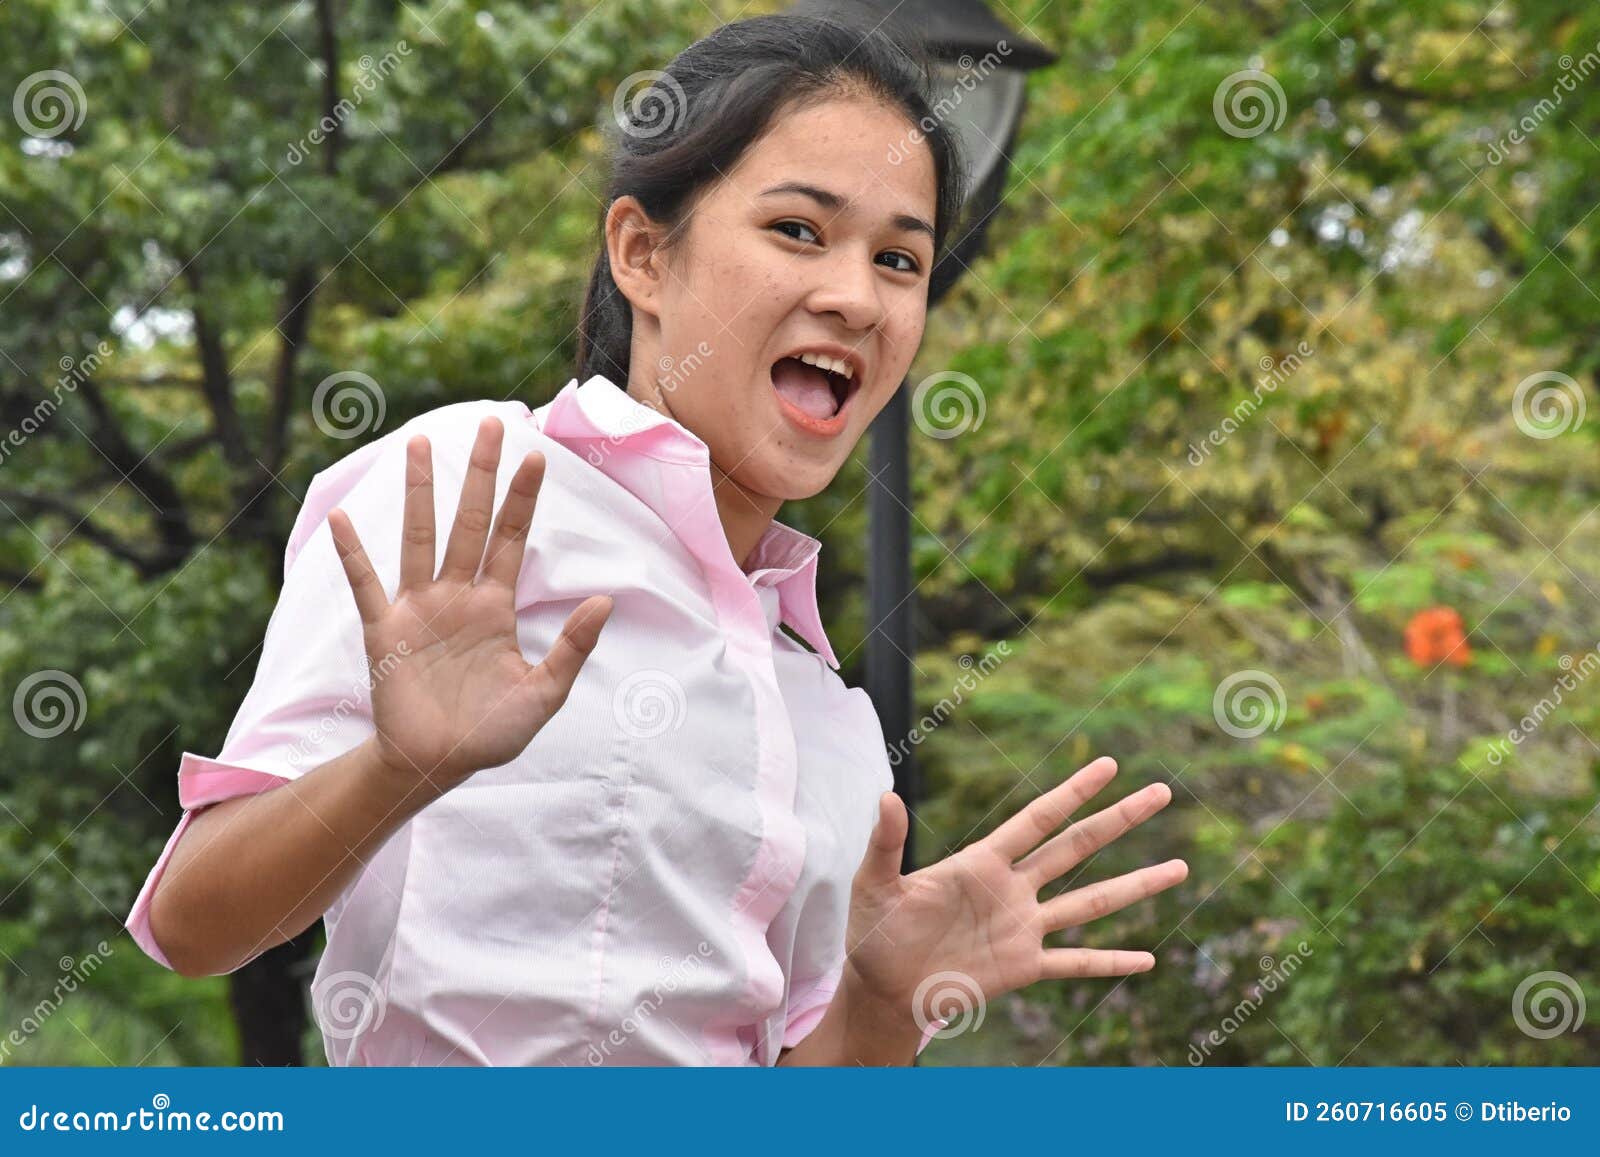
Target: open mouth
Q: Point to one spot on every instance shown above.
(817, 393)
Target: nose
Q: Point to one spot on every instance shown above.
(848, 286)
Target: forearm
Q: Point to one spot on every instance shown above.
(256, 871)
(859, 1030)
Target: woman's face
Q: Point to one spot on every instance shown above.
(815, 243)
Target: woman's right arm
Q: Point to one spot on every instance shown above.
(254, 871)
(451, 694)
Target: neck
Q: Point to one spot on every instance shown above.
(744, 514)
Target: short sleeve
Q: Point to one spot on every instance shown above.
(310, 700)
(806, 1009)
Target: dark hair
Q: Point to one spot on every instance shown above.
(692, 123)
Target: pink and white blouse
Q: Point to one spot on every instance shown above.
(663, 875)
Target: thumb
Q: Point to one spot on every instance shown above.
(578, 637)
(881, 864)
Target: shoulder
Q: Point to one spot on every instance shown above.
(367, 482)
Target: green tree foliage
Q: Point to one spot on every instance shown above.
(1260, 367)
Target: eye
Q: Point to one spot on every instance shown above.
(910, 265)
(795, 225)
(909, 268)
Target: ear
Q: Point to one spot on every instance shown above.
(633, 246)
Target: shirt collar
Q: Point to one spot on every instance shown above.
(611, 429)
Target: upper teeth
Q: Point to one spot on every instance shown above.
(837, 365)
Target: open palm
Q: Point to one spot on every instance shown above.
(451, 691)
(971, 927)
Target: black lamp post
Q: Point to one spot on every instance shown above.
(982, 79)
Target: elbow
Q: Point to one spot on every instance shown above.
(168, 929)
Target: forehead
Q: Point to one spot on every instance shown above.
(866, 151)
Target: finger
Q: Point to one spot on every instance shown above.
(418, 548)
(886, 847)
(1081, 905)
(1077, 963)
(1045, 814)
(510, 537)
(371, 599)
(1071, 847)
(578, 637)
(474, 511)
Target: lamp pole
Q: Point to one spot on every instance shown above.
(984, 78)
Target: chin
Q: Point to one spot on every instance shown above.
(794, 478)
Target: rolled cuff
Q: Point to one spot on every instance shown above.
(201, 781)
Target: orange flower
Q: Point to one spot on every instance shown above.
(1437, 635)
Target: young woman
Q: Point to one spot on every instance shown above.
(671, 840)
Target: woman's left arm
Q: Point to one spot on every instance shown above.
(971, 927)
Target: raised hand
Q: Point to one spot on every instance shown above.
(977, 917)
(451, 692)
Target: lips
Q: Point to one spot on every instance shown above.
(814, 400)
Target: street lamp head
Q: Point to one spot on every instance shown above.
(979, 85)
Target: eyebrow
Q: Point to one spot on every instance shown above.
(830, 200)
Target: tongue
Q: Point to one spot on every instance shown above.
(805, 387)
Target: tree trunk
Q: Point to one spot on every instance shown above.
(269, 1002)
